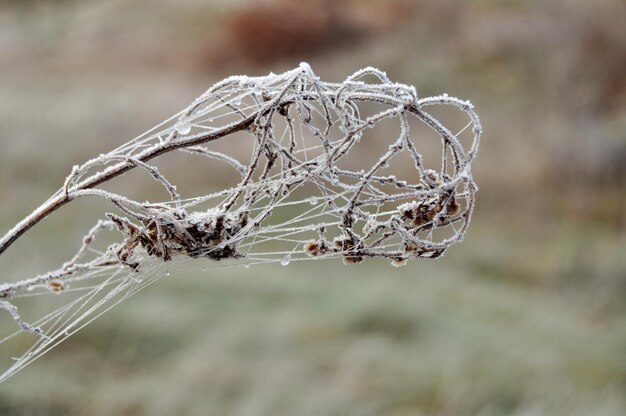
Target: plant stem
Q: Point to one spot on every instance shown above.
(116, 170)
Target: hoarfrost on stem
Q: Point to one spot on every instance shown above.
(304, 191)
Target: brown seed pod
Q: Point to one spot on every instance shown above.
(453, 207)
(352, 259)
(312, 248)
(399, 262)
(56, 286)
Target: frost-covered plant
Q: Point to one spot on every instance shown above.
(306, 190)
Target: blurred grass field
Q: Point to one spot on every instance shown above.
(526, 317)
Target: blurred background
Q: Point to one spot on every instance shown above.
(526, 317)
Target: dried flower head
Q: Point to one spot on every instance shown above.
(305, 189)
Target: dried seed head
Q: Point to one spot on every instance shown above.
(312, 248)
(420, 213)
(352, 260)
(430, 213)
(410, 247)
(453, 207)
(56, 286)
(399, 262)
(345, 244)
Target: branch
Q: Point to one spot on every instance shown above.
(114, 171)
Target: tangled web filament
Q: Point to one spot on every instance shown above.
(310, 186)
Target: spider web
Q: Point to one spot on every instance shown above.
(352, 170)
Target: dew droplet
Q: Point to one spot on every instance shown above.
(183, 127)
(285, 260)
(246, 265)
(313, 200)
(167, 273)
